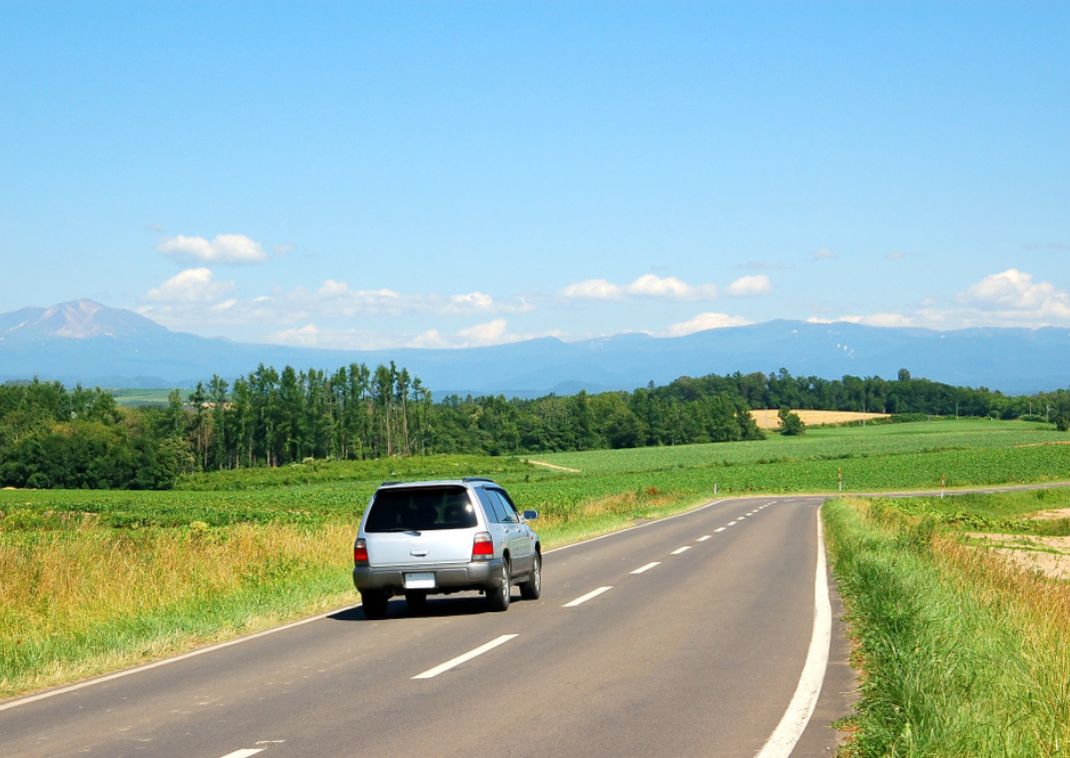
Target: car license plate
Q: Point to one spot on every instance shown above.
(422, 581)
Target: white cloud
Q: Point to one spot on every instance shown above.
(651, 285)
(749, 286)
(223, 248)
(490, 333)
(226, 305)
(193, 301)
(336, 298)
(705, 321)
(332, 288)
(194, 285)
(476, 300)
(432, 338)
(647, 285)
(304, 336)
(1014, 295)
(873, 319)
(1011, 298)
(593, 289)
(888, 319)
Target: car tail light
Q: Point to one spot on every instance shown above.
(360, 553)
(482, 547)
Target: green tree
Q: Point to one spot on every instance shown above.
(790, 423)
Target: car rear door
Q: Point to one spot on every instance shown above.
(520, 547)
(420, 526)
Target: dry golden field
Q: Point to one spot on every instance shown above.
(767, 419)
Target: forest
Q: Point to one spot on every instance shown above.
(52, 436)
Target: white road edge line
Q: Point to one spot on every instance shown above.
(244, 752)
(175, 659)
(455, 662)
(679, 550)
(584, 598)
(647, 567)
(793, 723)
(703, 538)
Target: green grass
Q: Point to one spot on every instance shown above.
(960, 655)
(67, 608)
(852, 443)
(82, 600)
(1003, 512)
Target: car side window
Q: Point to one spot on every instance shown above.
(509, 515)
(491, 505)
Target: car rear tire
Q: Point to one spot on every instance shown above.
(532, 588)
(374, 603)
(416, 601)
(498, 596)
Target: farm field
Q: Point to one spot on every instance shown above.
(96, 580)
(767, 418)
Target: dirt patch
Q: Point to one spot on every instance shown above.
(1054, 515)
(1045, 444)
(1031, 553)
(555, 467)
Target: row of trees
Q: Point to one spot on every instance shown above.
(272, 418)
(54, 437)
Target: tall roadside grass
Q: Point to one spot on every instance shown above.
(83, 600)
(79, 597)
(960, 654)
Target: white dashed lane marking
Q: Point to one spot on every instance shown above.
(454, 662)
(584, 598)
(647, 567)
(245, 752)
(703, 538)
(719, 529)
(679, 550)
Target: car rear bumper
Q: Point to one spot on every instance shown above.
(448, 578)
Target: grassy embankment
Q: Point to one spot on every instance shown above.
(95, 580)
(960, 653)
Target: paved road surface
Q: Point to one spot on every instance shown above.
(699, 654)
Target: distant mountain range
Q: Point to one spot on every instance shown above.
(86, 342)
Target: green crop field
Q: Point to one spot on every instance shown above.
(95, 580)
(140, 397)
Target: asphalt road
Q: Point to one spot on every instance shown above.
(700, 654)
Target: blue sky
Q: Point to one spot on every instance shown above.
(451, 174)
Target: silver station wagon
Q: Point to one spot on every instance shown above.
(423, 538)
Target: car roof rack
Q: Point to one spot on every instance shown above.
(477, 479)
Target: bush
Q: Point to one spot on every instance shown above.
(791, 424)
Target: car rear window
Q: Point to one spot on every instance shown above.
(420, 509)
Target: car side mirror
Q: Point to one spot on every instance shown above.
(531, 515)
